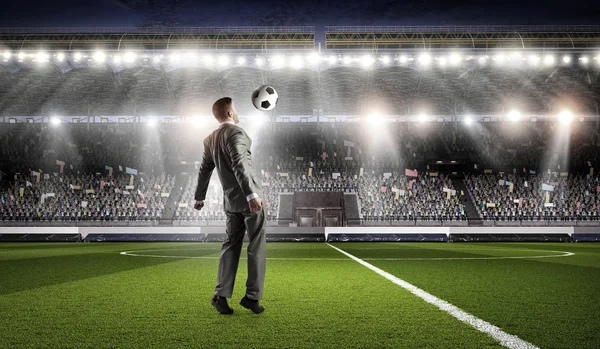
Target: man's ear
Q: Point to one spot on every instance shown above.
(230, 114)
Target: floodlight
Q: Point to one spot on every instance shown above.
(7, 55)
(197, 121)
(514, 116)
(99, 56)
(442, 61)
(129, 57)
(77, 56)
(482, 60)
(151, 123)
(21, 55)
(549, 60)
(296, 62)
(60, 57)
(258, 118)
(468, 120)
(403, 59)
(424, 59)
(54, 120)
(314, 58)
(224, 61)
(566, 59)
(277, 61)
(117, 59)
(347, 60)
(385, 60)
(157, 59)
(455, 58)
(584, 60)
(259, 61)
(175, 57)
(374, 119)
(332, 60)
(366, 61)
(241, 60)
(208, 59)
(515, 57)
(422, 117)
(42, 56)
(533, 60)
(500, 58)
(565, 117)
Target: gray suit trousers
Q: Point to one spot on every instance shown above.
(237, 224)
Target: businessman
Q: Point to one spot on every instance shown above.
(228, 149)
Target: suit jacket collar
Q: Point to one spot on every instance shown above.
(227, 123)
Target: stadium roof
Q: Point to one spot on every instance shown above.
(179, 81)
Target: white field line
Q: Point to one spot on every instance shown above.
(505, 339)
(136, 253)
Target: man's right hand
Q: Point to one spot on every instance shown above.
(255, 204)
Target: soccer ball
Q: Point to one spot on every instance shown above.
(264, 98)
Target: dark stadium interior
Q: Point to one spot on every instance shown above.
(430, 186)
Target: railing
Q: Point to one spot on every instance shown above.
(159, 30)
(463, 29)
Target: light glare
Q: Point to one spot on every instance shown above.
(129, 57)
(514, 116)
(584, 60)
(367, 61)
(99, 56)
(425, 59)
(455, 59)
(549, 60)
(296, 62)
(374, 119)
(224, 61)
(277, 61)
(565, 117)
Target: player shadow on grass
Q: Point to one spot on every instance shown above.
(31, 273)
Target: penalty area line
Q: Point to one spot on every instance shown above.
(507, 340)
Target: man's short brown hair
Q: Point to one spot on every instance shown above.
(221, 107)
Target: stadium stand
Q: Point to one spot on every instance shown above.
(85, 197)
(535, 197)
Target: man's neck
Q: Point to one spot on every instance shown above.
(228, 122)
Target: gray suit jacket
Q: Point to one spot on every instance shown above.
(228, 149)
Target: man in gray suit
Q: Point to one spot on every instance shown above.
(228, 149)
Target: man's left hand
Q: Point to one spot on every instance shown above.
(198, 205)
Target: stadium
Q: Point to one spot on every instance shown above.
(431, 187)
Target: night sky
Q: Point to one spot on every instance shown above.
(176, 13)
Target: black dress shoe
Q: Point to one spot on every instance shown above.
(252, 305)
(221, 304)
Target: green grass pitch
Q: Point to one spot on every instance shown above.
(88, 295)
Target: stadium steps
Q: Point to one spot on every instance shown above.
(470, 208)
(442, 150)
(176, 193)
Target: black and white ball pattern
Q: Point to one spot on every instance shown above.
(265, 98)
